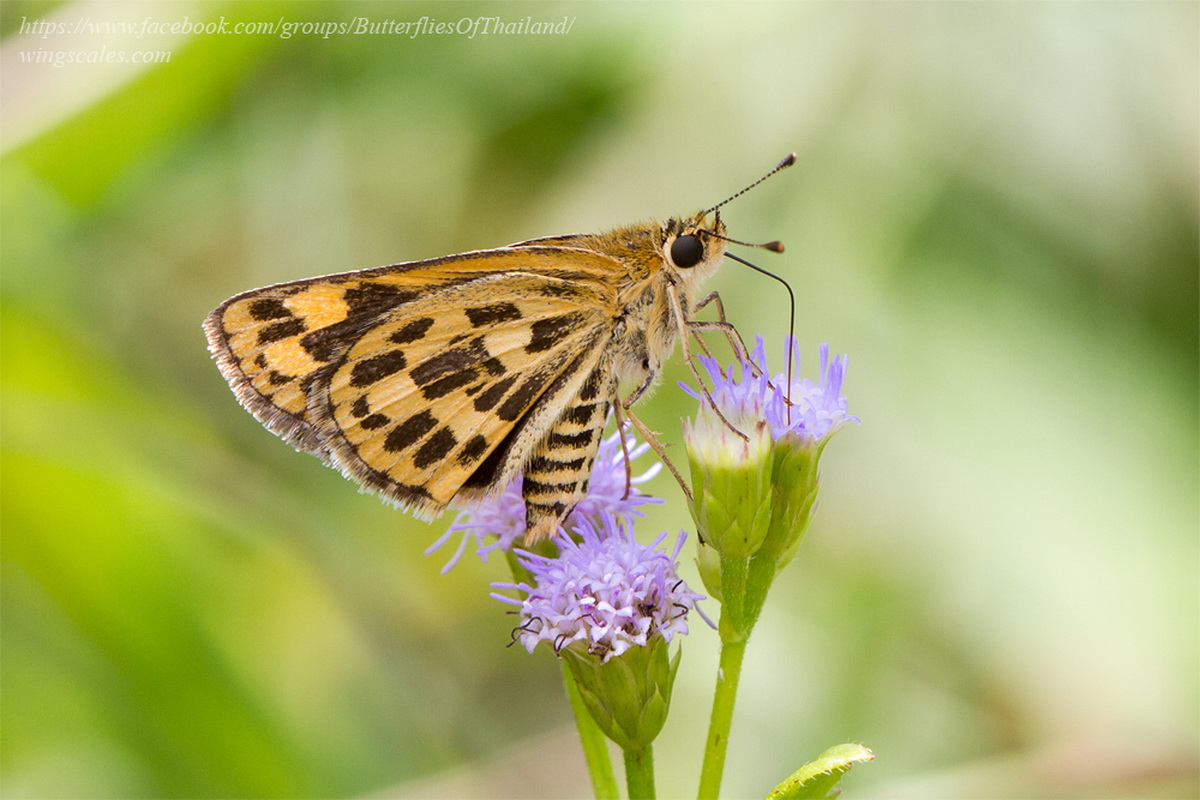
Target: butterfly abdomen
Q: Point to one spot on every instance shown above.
(556, 475)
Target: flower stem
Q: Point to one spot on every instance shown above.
(639, 773)
(593, 741)
(733, 648)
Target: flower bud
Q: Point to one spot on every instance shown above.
(629, 695)
(731, 484)
(754, 447)
(609, 606)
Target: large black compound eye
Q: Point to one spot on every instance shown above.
(686, 251)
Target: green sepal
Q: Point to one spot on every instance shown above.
(629, 695)
(733, 590)
(744, 586)
(760, 574)
(794, 481)
(708, 563)
(817, 779)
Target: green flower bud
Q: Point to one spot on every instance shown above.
(731, 484)
(627, 695)
(795, 481)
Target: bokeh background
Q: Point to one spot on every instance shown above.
(994, 213)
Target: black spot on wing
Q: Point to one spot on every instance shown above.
(408, 490)
(580, 415)
(515, 404)
(446, 385)
(375, 421)
(435, 449)
(570, 439)
(281, 330)
(488, 399)
(532, 486)
(488, 471)
(373, 369)
(373, 299)
(548, 332)
(543, 464)
(409, 431)
(482, 316)
(475, 447)
(556, 509)
(326, 344)
(266, 308)
(456, 359)
(361, 407)
(591, 387)
(413, 331)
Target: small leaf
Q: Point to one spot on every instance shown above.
(816, 779)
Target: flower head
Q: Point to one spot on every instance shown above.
(609, 607)
(798, 407)
(754, 448)
(500, 518)
(604, 592)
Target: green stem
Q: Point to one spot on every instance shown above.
(733, 648)
(593, 741)
(639, 773)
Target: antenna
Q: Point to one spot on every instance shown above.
(787, 162)
(775, 246)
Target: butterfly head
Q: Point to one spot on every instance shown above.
(693, 247)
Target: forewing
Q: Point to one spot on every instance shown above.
(274, 345)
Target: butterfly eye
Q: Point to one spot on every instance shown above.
(686, 251)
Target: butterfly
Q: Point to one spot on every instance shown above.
(435, 383)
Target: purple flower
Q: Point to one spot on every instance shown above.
(747, 396)
(754, 453)
(605, 592)
(502, 516)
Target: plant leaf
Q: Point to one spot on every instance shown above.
(816, 779)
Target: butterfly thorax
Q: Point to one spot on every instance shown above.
(647, 326)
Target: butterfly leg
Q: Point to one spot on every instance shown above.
(658, 449)
(684, 327)
(721, 324)
(625, 406)
(624, 450)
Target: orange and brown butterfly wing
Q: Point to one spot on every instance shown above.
(428, 381)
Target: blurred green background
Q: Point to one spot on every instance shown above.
(994, 213)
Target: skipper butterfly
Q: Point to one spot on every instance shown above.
(436, 382)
